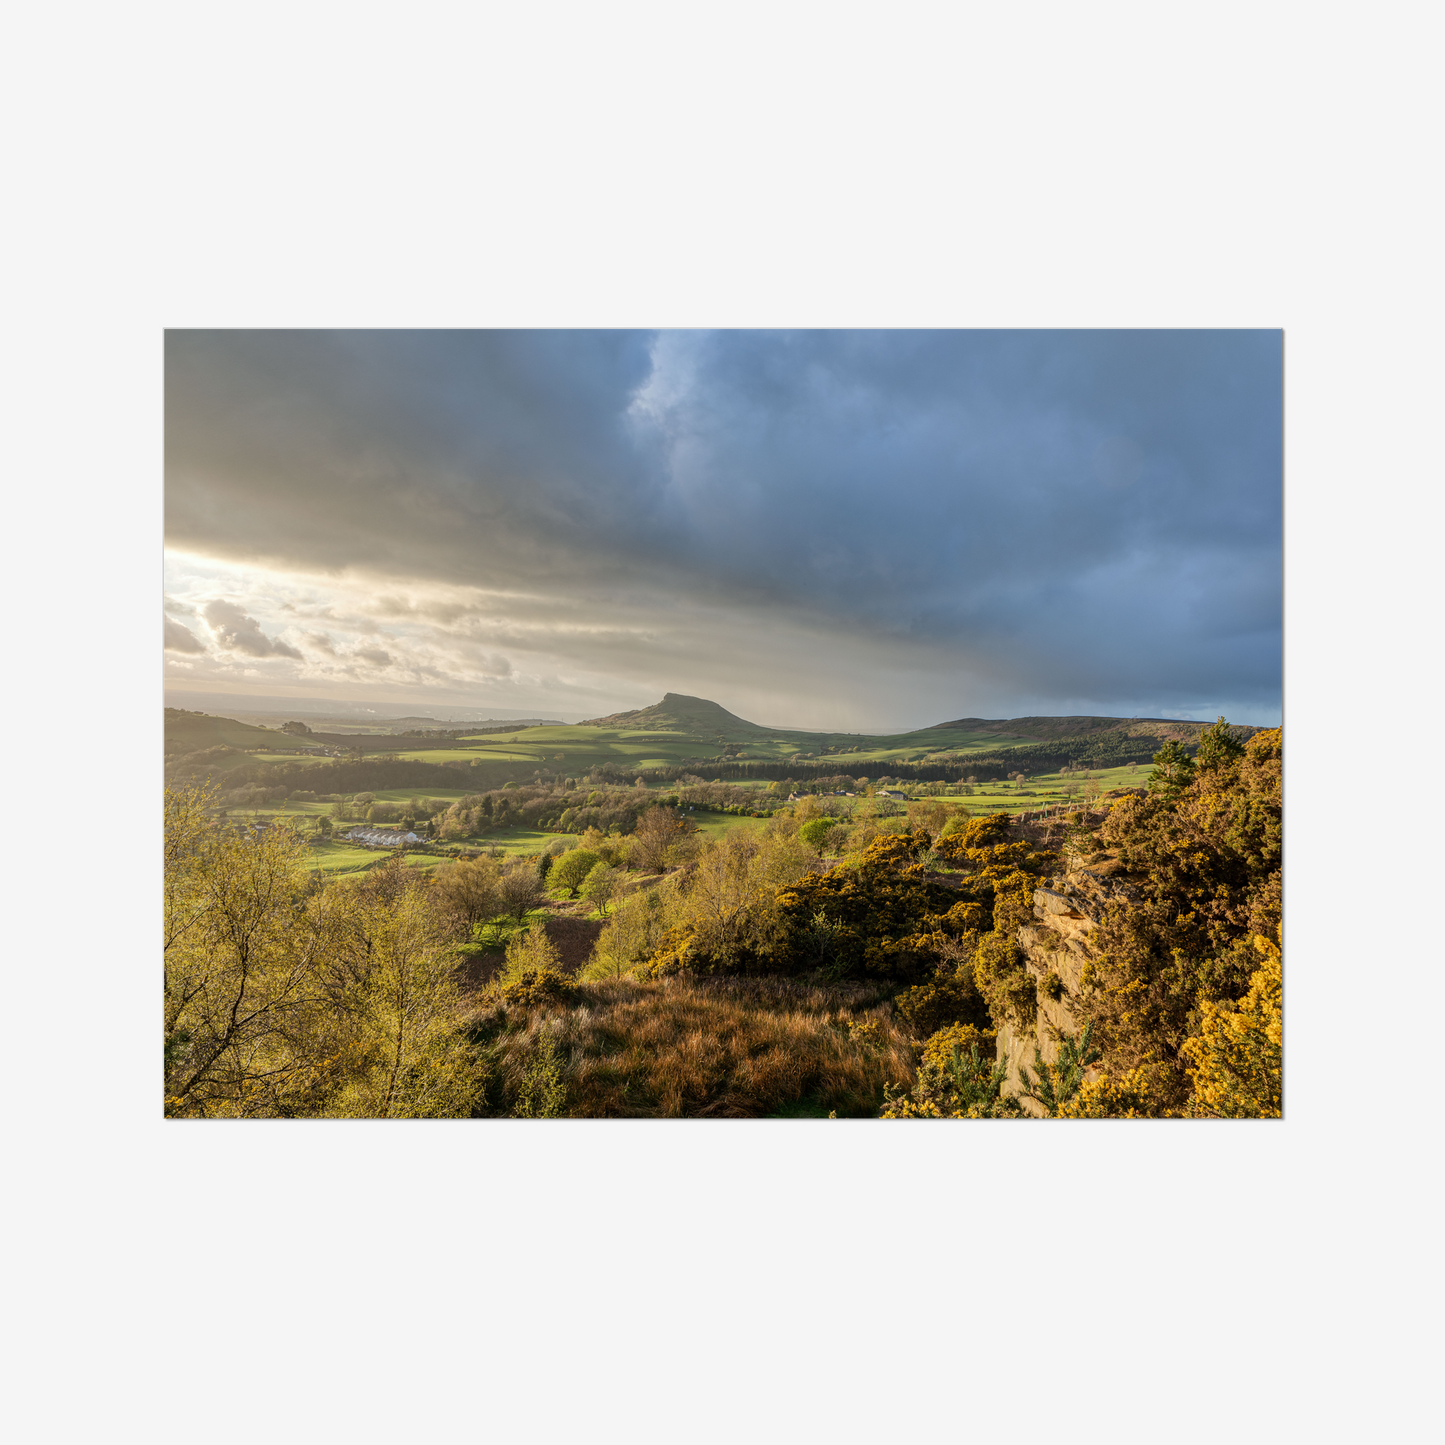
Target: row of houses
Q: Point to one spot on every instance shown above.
(380, 837)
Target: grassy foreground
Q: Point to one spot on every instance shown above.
(725, 1048)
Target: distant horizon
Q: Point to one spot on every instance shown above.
(304, 707)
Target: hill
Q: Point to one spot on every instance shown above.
(678, 737)
(190, 732)
(1051, 729)
(678, 713)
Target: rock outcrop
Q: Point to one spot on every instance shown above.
(1056, 947)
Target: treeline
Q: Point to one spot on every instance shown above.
(1102, 751)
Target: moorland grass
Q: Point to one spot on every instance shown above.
(724, 1048)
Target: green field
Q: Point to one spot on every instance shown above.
(335, 858)
(1043, 791)
(512, 754)
(518, 840)
(716, 824)
(576, 749)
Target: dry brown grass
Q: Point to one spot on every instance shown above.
(720, 1048)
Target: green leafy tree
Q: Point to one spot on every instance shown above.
(600, 886)
(571, 870)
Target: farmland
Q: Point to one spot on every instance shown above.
(513, 792)
(676, 737)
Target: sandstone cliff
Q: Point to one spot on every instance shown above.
(1055, 949)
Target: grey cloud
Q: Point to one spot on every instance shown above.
(181, 639)
(236, 632)
(1070, 514)
(374, 655)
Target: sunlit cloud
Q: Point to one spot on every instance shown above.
(181, 639)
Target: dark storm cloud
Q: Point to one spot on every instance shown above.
(1068, 515)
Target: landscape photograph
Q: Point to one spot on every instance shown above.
(741, 724)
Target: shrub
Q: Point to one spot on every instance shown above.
(958, 1079)
(542, 1094)
(941, 1046)
(1237, 1059)
(1059, 1082)
(538, 988)
(632, 935)
(946, 999)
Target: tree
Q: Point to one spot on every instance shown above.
(601, 885)
(530, 951)
(297, 729)
(238, 966)
(815, 832)
(659, 830)
(521, 890)
(572, 868)
(1173, 769)
(398, 1017)
(468, 892)
(1218, 747)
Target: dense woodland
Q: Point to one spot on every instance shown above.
(849, 957)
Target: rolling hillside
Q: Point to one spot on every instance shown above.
(190, 732)
(679, 736)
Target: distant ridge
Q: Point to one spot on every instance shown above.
(676, 710)
(1047, 729)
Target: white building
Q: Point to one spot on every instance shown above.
(381, 837)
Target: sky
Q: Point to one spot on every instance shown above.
(851, 530)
